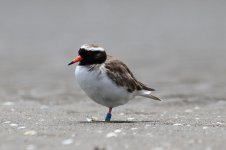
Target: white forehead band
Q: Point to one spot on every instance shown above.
(91, 48)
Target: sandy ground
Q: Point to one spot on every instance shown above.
(176, 47)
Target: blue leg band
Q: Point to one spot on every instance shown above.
(108, 117)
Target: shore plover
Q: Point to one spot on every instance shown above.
(106, 80)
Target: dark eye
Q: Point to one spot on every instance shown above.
(81, 51)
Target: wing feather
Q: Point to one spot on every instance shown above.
(122, 76)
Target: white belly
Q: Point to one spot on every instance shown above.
(100, 88)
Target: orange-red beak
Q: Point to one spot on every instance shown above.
(77, 59)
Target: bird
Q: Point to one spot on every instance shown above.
(107, 80)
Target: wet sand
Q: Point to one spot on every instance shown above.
(177, 48)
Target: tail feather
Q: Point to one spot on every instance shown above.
(147, 94)
(152, 97)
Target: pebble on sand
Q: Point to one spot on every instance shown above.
(6, 122)
(219, 123)
(121, 114)
(91, 119)
(30, 132)
(13, 125)
(177, 124)
(111, 134)
(134, 128)
(118, 131)
(130, 119)
(188, 111)
(7, 103)
(67, 141)
(22, 127)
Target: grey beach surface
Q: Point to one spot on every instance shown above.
(176, 47)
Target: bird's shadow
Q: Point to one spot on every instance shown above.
(117, 121)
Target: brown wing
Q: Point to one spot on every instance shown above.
(122, 76)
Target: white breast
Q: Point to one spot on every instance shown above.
(100, 88)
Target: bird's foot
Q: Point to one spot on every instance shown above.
(108, 117)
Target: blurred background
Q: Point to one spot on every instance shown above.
(166, 43)
(177, 47)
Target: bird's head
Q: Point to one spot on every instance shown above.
(89, 54)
